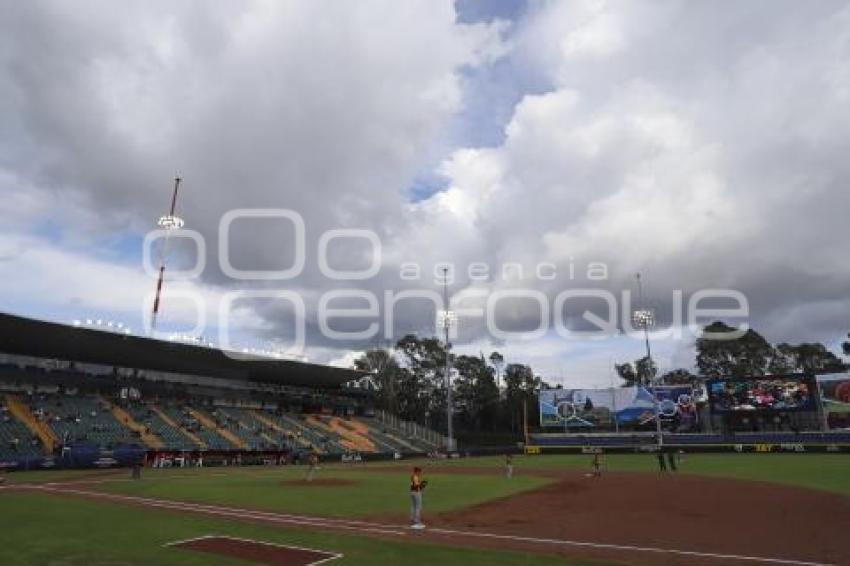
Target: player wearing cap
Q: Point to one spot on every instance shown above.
(417, 485)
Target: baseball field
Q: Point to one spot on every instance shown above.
(717, 509)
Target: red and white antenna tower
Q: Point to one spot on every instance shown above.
(168, 223)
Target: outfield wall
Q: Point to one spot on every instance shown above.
(645, 442)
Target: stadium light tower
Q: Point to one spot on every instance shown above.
(645, 318)
(169, 222)
(446, 319)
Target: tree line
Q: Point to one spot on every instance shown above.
(490, 394)
(410, 382)
(748, 355)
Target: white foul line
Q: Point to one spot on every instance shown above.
(236, 513)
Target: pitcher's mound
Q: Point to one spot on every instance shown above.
(319, 482)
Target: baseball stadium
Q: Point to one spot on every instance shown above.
(424, 283)
(122, 449)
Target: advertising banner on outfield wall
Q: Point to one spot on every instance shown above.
(835, 398)
(604, 409)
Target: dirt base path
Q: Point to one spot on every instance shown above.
(673, 511)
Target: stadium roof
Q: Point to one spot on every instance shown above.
(28, 337)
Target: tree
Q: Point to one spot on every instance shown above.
(679, 376)
(386, 374)
(639, 372)
(425, 360)
(520, 387)
(845, 346)
(746, 355)
(809, 358)
(498, 361)
(477, 396)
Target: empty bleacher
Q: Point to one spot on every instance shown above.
(306, 434)
(172, 437)
(71, 419)
(258, 431)
(232, 421)
(16, 440)
(82, 419)
(184, 417)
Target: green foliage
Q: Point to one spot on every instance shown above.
(639, 372)
(679, 376)
(809, 358)
(410, 382)
(477, 396)
(718, 355)
(752, 355)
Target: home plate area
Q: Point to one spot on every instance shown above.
(255, 550)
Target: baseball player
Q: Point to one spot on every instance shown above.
(313, 463)
(509, 466)
(417, 485)
(597, 464)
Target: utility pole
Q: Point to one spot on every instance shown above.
(169, 222)
(448, 316)
(646, 318)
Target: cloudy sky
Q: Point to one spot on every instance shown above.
(525, 144)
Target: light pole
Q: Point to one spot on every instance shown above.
(447, 318)
(645, 318)
(169, 222)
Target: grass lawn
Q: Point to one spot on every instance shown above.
(43, 476)
(43, 529)
(829, 472)
(372, 493)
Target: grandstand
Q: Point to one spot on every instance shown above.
(71, 390)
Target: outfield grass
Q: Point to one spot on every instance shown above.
(43, 529)
(43, 476)
(828, 472)
(372, 493)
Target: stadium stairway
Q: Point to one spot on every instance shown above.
(373, 430)
(170, 422)
(23, 414)
(236, 424)
(210, 424)
(270, 436)
(148, 438)
(317, 436)
(381, 442)
(268, 421)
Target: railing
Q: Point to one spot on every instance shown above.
(410, 430)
